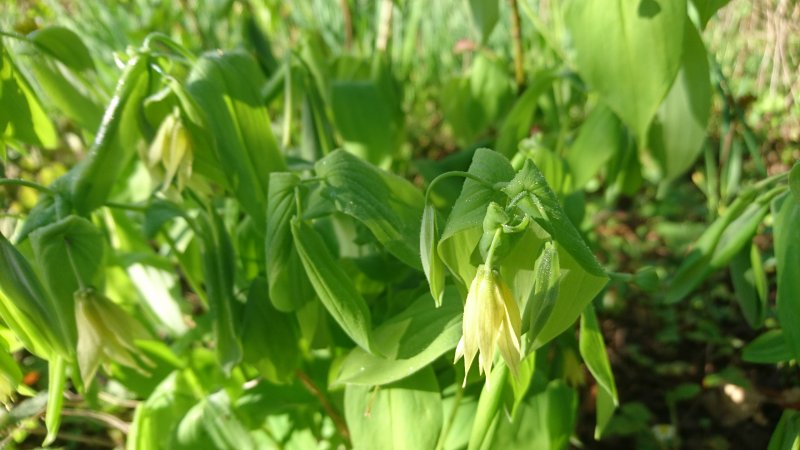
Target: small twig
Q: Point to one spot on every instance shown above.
(516, 36)
(314, 390)
(106, 419)
(384, 25)
(348, 24)
(89, 440)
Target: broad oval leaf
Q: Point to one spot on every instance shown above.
(629, 52)
(599, 138)
(406, 415)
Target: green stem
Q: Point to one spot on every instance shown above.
(453, 174)
(26, 183)
(492, 247)
(450, 419)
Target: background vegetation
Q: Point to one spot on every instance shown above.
(682, 194)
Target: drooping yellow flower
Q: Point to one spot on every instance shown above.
(491, 319)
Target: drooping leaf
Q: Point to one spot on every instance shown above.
(679, 129)
(406, 342)
(406, 415)
(629, 52)
(593, 351)
(543, 297)
(485, 14)
(22, 116)
(29, 309)
(749, 285)
(432, 264)
(212, 423)
(388, 205)
(333, 285)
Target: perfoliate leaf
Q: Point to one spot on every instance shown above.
(406, 415)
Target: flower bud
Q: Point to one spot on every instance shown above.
(105, 332)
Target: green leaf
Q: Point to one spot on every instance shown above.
(707, 8)
(225, 87)
(598, 139)
(64, 45)
(367, 120)
(213, 423)
(406, 415)
(485, 14)
(289, 288)
(517, 124)
(156, 419)
(388, 205)
(332, 284)
(697, 264)
(57, 380)
(219, 266)
(472, 103)
(768, 348)
(749, 285)
(679, 131)
(69, 254)
(629, 52)
(794, 180)
(432, 264)
(272, 349)
(66, 94)
(787, 434)
(593, 351)
(28, 309)
(22, 116)
(578, 287)
(542, 205)
(786, 213)
(545, 420)
(406, 342)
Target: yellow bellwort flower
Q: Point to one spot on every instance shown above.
(491, 319)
